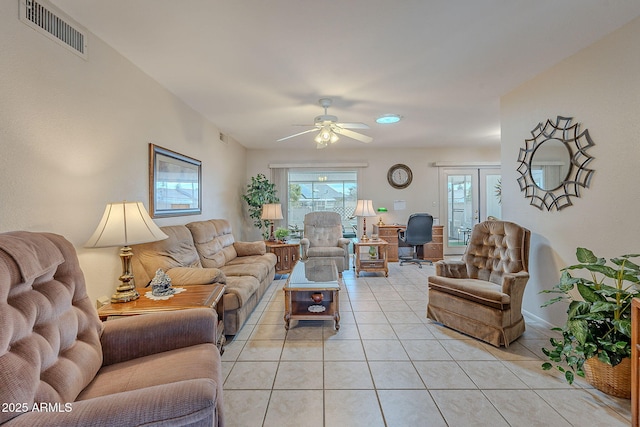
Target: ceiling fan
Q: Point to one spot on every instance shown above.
(328, 128)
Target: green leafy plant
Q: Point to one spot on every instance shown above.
(259, 192)
(281, 233)
(599, 322)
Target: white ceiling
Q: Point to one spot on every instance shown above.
(255, 68)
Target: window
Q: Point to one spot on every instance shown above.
(311, 190)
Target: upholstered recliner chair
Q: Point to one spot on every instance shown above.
(61, 366)
(323, 239)
(481, 295)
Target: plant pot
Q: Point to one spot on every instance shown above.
(612, 380)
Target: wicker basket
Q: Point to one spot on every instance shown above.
(613, 380)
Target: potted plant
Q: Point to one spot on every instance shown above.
(281, 233)
(259, 192)
(596, 339)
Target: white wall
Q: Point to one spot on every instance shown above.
(599, 87)
(421, 196)
(74, 136)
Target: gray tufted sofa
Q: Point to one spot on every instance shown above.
(481, 295)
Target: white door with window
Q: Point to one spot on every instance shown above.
(468, 196)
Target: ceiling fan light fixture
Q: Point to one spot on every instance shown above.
(329, 130)
(386, 119)
(326, 135)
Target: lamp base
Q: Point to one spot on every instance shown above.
(272, 238)
(127, 290)
(124, 295)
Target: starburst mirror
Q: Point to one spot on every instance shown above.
(553, 164)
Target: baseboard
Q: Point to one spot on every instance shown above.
(539, 319)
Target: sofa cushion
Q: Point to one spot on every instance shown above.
(269, 260)
(256, 269)
(177, 251)
(480, 291)
(209, 247)
(184, 276)
(195, 362)
(214, 242)
(250, 248)
(239, 290)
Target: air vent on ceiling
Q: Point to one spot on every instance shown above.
(46, 19)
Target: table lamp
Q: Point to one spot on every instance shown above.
(364, 208)
(381, 211)
(271, 212)
(123, 224)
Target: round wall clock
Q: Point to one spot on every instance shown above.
(399, 176)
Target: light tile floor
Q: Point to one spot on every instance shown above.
(389, 365)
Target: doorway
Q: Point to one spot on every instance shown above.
(468, 195)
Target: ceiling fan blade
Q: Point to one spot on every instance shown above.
(351, 134)
(297, 134)
(352, 125)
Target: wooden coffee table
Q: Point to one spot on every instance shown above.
(196, 296)
(312, 292)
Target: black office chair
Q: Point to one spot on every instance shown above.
(418, 233)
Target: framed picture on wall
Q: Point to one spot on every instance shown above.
(175, 183)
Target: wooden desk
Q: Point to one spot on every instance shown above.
(433, 251)
(196, 296)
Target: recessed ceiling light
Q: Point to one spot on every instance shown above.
(386, 119)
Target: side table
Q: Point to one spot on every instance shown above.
(364, 262)
(196, 296)
(288, 254)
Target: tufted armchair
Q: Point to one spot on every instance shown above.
(61, 366)
(323, 239)
(481, 295)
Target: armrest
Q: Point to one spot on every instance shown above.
(250, 248)
(514, 282)
(304, 245)
(185, 276)
(171, 402)
(136, 336)
(452, 268)
(344, 243)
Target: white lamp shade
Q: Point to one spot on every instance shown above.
(271, 211)
(364, 208)
(124, 224)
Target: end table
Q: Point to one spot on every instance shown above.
(196, 296)
(288, 254)
(364, 262)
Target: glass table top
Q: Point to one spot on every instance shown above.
(314, 274)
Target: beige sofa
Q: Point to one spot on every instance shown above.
(204, 252)
(61, 366)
